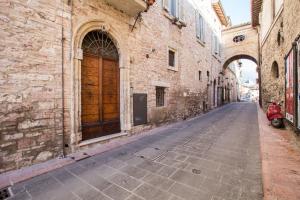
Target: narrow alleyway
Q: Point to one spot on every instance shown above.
(207, 158)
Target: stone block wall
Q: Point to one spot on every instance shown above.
(272, 87)
(288, 23)
(30, 82)
(37, 40)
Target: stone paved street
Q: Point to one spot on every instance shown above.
(213, 157)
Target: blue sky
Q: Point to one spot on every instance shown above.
(238, 10)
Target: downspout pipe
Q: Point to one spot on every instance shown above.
(63, 82)
(259, 66)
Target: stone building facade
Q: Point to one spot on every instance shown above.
(278, 24)
(174, 62)
(240, 42)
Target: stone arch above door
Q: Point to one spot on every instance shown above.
(120, 42)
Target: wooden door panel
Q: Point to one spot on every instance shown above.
(90, 104)
(113, 98)
(111, 91)
(87, 119)
(110, 108)
(100, 97)
(112, 116)
(90, 81)
(90, 90)
(90, 99)
(89, 109)
(89, 71)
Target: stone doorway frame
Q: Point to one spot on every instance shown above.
(77, 56)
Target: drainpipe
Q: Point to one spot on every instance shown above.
(70, 3)
(259, 67)
(62, 82)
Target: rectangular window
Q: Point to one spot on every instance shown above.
(216, 46)
(160, 96)
(171, 58)
(207, 75)
(200, 75)
(174, 8)
(200, 31)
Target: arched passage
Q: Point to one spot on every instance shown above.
(238, 57)
(246, 70)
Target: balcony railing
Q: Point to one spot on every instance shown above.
(130, 7)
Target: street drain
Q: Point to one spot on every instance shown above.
(4, 193)
(196, 171)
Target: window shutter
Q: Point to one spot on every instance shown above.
(203, 30)
(181, 10)
(216, 44)
(166, 4)
(197, 25)
(213, 44)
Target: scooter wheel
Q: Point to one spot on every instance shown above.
(277, 123)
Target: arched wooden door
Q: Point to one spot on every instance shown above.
(100, 86)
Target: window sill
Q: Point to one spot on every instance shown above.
(217, 57)
(175, 69)
(160, 107)
(201, 42)
(174, 20)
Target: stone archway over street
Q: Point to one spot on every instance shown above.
(240, 42)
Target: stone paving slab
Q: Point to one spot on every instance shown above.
(216, 157)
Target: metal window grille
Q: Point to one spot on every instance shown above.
(239, 38)
(160, 96)
(100, 44)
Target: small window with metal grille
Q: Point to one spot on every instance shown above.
(239, 38)
(160, 96)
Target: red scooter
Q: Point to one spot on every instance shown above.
(274, 114)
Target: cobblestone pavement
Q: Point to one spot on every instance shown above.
(212, 157)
